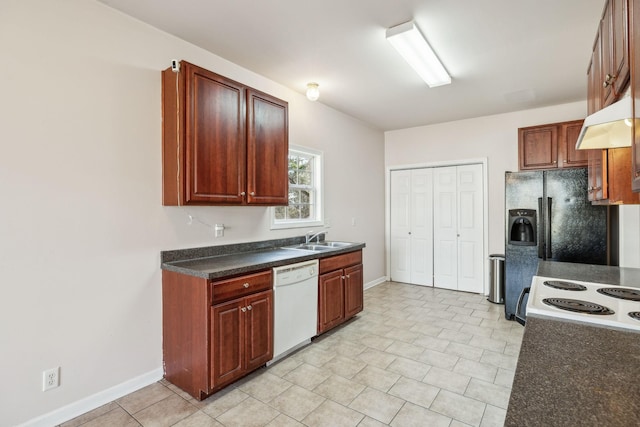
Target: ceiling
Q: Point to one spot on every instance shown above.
(503, 55)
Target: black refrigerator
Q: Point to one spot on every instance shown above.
(549, 217)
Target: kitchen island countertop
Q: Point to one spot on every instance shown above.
(575, 374)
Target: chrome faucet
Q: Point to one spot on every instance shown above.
(309, 236)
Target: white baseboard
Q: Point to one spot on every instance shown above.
(375, 282)
(92, 402)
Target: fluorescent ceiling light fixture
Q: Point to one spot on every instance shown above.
(411, 44)
(608, 128)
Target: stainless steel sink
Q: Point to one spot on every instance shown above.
(310, 247)
(335, 244)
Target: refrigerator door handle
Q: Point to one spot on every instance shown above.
(547, 228)
(541, 250)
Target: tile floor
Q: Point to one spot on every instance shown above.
(415, 356)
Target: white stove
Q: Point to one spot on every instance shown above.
(596, 303)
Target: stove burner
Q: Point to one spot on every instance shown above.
(635, 315)
(621, 293)
(578, 306)
(565, 286)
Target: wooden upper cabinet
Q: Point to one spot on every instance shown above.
(567, 154)
(594, 81)
(215, 138)
(615, 50)
(612, 67)
(268, 149)
(634, 37)
(615, 187)
(538, 147)
(598, 175)
(550, 146)
(223, 143)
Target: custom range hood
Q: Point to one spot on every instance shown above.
(608, 128)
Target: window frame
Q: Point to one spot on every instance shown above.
(318, 181)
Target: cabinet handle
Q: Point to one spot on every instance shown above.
(246, 285)
(565, 161)
(342, 277)
(249, 307)
(243, 193)
(608, 79)
(348, 276)
(253, 193)
(243, 309)
(555, 161)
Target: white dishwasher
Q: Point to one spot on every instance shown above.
(295, 288)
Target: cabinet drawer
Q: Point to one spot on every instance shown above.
(223, 290)
(340, 261)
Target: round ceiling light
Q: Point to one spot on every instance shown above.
(313, 93)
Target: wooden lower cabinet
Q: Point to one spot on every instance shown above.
(330, 300)
(340, 290)
(241, 339)
(215, 331)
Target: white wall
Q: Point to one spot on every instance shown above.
(492, 137)
(81, 222)
(629, 236)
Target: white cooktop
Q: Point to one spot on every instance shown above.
(619, 320)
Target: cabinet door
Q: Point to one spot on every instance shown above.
(538, 147)
(615, 50)
(619, 183)
(267, 149)
(594, 82)
(259, 329)
(570, 156)
(330, 300)
(597, 175)
(215, 138)
(227, 342)
(634, 36)
(353, 291)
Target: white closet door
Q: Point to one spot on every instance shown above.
(445, 223)
(470, 229)
(422, 227)
(400, 245)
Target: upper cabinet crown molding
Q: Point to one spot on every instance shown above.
(224, 143)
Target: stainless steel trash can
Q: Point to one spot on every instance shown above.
(496, 279)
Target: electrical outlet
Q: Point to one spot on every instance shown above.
(50, 378)
(219, 230)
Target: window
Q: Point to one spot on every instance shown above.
(305, 192)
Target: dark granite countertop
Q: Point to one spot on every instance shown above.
(227, 260)
(590, 273)
(572, 374)
(576, 374)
